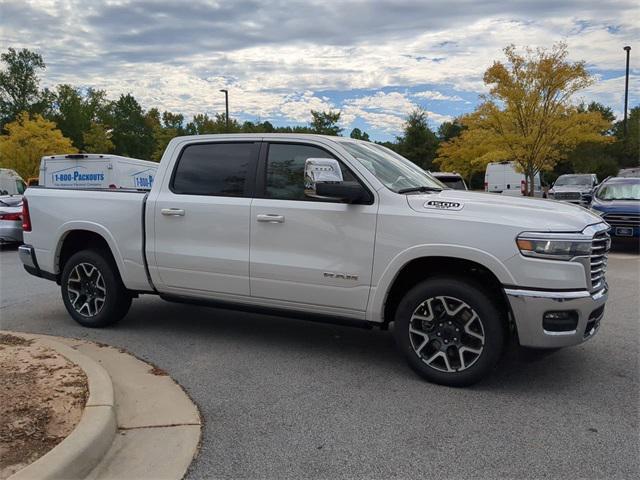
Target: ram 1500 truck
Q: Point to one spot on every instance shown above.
(329, 228)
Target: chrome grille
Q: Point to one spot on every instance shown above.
(622, 220)
(599, 249)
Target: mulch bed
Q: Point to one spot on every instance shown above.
(42, 396)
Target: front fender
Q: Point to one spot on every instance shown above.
(382, 285)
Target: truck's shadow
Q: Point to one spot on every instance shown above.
(213, 328)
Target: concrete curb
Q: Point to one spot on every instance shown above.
(87, 444)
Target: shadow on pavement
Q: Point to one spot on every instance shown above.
(519, 369)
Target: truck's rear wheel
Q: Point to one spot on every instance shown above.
(92, 290)
(450, 331)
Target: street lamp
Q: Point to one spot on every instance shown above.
(226, 103)
(626, 91)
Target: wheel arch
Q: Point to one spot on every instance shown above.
(78, 237)
(420, 263)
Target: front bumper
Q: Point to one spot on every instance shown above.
(529, 307)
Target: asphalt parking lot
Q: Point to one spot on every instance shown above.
(283, 398)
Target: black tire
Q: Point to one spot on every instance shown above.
(88, 309)
(427, 332)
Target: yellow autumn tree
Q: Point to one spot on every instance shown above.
(28, 139)
(528, 116)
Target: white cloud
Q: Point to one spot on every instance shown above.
(435, 95)
(274, 56)
(384, 111)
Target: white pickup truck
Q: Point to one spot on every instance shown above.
(328, 228)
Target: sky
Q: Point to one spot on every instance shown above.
(373, 60)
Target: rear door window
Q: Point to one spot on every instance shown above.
(216, 169)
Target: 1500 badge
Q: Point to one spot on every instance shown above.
(443, 205)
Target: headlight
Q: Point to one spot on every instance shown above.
(560, 247)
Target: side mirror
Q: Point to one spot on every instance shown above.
(323, 180)
(318, 171)
(348, 192)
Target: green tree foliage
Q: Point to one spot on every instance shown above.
(97, 139)
(358, 134)
(449, 130)
(19, 85)
(626, 149)
(418, 143)
(325, 123)
(132, 134)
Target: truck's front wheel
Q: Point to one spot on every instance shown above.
(92, 290)
(450, 331)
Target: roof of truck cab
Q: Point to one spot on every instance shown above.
(268, 136)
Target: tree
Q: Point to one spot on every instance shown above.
(97, 139)
(325, 123)
(28, 139)
(131, 135)
(19, 85)
(466, 154)
(449, 130)
(359, 134)
(74, 111)
(418, 143)
(528, 116)
(626, 149)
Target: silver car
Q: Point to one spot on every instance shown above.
(11, 219)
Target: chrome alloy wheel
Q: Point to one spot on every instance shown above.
(86, 289)
(447, 334)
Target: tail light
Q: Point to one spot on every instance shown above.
(523, 187)
(26, 218)
(486, 186)
(11, 216)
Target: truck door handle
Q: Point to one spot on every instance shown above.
(172, 212)
(270, 218)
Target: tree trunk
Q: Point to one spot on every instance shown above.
(531, 188)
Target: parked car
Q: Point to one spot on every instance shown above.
(617, 200)
(10, 182)
(96, 171)
(10, 219)
(574, 188)
(502, 177)
(328, 228)
(451, 180)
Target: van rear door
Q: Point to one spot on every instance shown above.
(75, 173)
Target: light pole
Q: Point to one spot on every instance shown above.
(226, 103)
(626, 91)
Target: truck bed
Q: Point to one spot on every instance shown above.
(116, 215)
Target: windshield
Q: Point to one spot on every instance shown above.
(393, 170)
(573, 180)
(619, 191)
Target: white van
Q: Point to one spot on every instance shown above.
(11, 183)
(502, 177)
(96, 171)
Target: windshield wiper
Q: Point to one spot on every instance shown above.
(422, 188)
